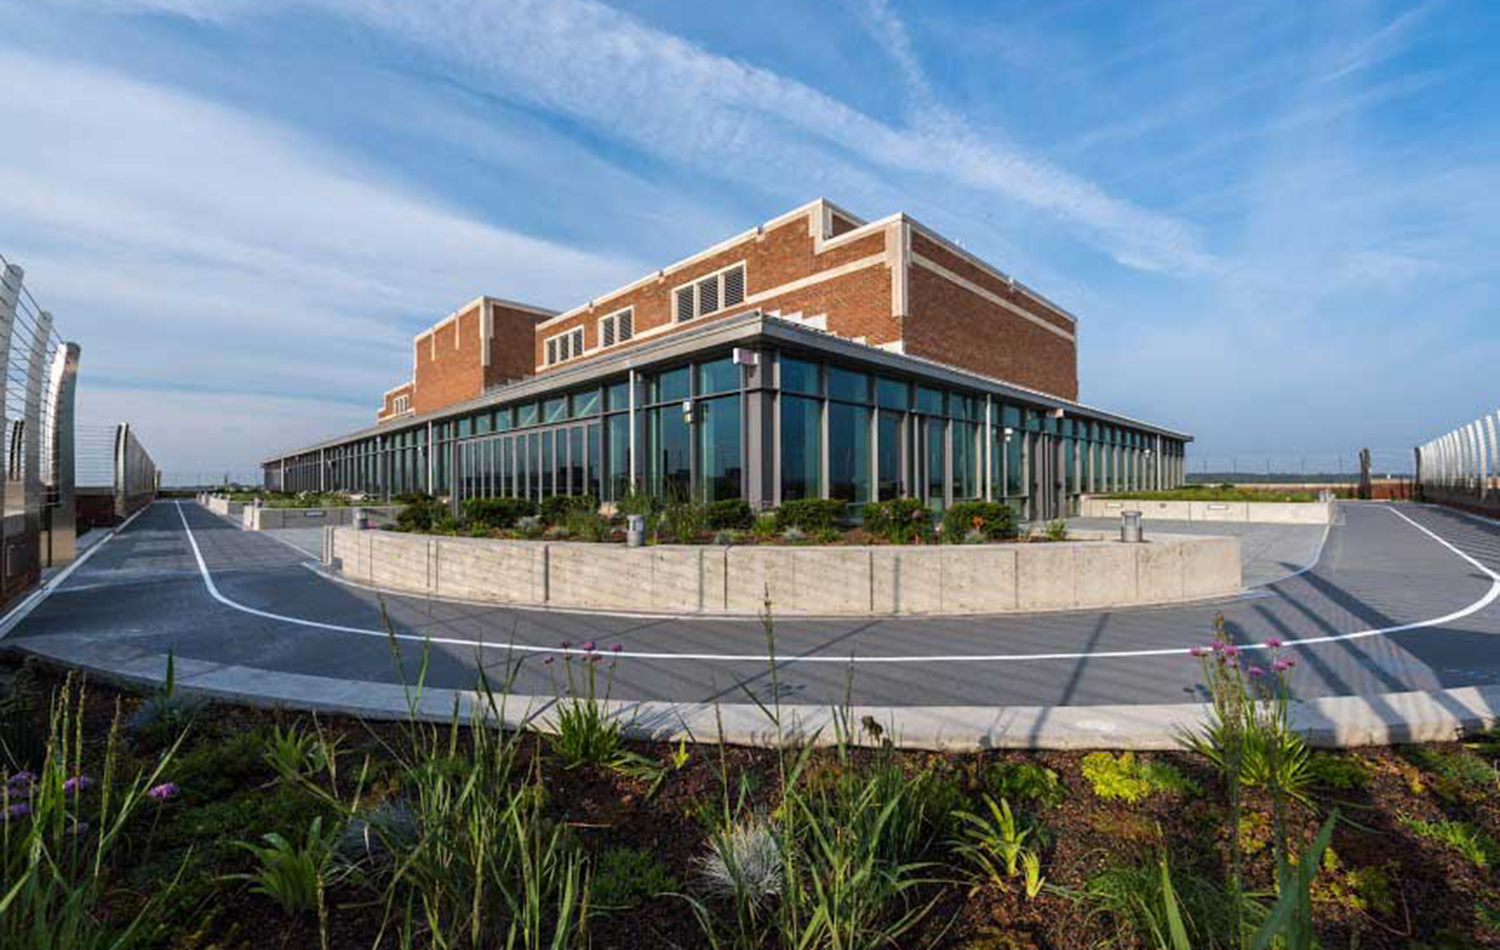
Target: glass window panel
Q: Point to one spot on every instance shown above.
(526, 415)
(505, 419)
(933, 445)
(929, 400)
(619, 456)
(965, 460)
(843, 384)
(671, 386)
(533, 457)
(848, 452)
(1015, 463)
(801, 448)
(575, 461)
(617, 395)
(555, 409)
(595, 461)
(799, 376)
(892, 394)
(484, 422)
(719, 456)
(668, 453)
(586, 403)
(549, 468)
(465, 426)
(719, 376)
(888, 452)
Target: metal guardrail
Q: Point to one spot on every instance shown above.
(1463, 466)
(36, 421)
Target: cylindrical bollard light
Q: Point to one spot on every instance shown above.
(635, 530)
(361, 520)
(1130, 527)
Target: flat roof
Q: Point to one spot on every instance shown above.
(742, 328)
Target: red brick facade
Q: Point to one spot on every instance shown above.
(889, 283)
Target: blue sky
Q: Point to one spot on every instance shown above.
(1278, 223)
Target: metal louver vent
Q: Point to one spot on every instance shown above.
(625, 325)
(708, 295)
(734, 286)
(685, 303)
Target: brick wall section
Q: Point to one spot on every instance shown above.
(858, 304)
(951, 324)
(512, 344)
(923, 246)
(449, 370)
(388, 404)
(778, 256)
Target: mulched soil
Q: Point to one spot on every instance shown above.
(1438, 899)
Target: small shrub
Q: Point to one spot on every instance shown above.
(584, 732)
(1365, 890)
(1027, 782)
(899, 521)
(744, 864)
(626, 877)
(732, 514)
(1456, 776)
(556, 508)
(1342, 772)
(1127, 779)
(993, 518)
(530, 526)
(162, 718)
(378, 836)
(293, 875)
(810, 514)
(419, 516)
(497, 513)
(1057, 530)
(586, 526)
(638, 503)
(684, 522)
(724, 538)
(1476, 846)
(794, 536)
(765, 525)
(992, 843)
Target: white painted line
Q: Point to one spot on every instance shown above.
(35, 598)
(1327, 530)
(1478, 605)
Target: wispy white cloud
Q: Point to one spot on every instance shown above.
(184, 241)
(679, 102)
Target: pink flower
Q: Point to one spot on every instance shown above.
(617, 648)
(1282, 665)
(1231, 651)
(1257, 671)
(1198, 651)
(1274, 643)
(1217, 645)
(164, 792)
(588, 646)
(78, 783)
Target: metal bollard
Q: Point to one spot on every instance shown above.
(1130, 527)
(635, 530)
(361, 520)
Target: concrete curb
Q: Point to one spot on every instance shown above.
(1340, 721)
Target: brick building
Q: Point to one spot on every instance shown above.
(815, 355)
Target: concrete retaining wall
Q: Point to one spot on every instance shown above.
(1260, 512)
(809, 581)
(223, 506)
(258, 519)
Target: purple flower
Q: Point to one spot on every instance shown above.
(1217, 645)
(1256, 671)
(17, 811)
(164, 792)
(76, 784)
(617, 648)
(21, 780)
(1274, 643)
(1198, 651)
(588, 646)
(1231, 651)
